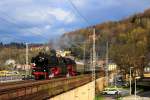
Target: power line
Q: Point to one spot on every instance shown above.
(94, 52)
(14, 37)
(13, 21)
(80, 14)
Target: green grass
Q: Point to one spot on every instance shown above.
(119, 99)
(99, 97)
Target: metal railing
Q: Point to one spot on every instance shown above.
(10, 78)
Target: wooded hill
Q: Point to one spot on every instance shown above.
(17, 52)
(129, 41)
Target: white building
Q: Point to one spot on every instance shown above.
(10, 61)
(112, 67)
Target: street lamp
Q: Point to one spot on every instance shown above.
(135, 86)
(130, 79)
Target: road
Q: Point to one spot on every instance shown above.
(145, 94)
(141, 96)
(113, 97)
(110, 97)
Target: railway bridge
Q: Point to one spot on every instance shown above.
(74, 88)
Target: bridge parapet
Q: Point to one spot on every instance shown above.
(84, 92)
(42, 89)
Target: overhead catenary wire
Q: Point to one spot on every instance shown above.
(79, 13)
(94, 52)
(13, 21)
(14, 37)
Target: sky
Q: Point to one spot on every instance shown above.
(40, 21)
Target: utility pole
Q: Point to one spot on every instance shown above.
(130, 80)
(84, 56)
(106, 69)
(27, 53)
(135, 88)
(94, 63)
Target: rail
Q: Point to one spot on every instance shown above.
(39, 90)
(4, 79)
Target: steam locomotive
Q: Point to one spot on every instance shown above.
(46, 66)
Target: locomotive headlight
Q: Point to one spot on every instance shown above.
(33, 70)
(44, 70)
(33, 64)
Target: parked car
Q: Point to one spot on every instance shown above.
(111, 91)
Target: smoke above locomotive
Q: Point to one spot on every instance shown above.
(46, 66)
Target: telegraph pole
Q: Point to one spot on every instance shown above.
(84, 57)
(130, 80)
(94, 63)
(27, 62)
(106, 69)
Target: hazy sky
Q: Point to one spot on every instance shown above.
(41, 20)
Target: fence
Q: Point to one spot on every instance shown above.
(10, 78)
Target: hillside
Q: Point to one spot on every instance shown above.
(137, 20)
(128, 39)
(107, 29)
(17, 52)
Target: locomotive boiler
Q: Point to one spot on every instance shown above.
(46, 66)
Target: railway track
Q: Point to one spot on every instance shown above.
(14, 83)
(41, 89)
(23, 81)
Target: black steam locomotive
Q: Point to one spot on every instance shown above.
(46, 66)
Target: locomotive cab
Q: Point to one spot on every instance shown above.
(48, 66)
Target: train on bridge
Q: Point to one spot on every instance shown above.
(46, 66)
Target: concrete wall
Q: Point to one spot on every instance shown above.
(100, 84)
(84, 92)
